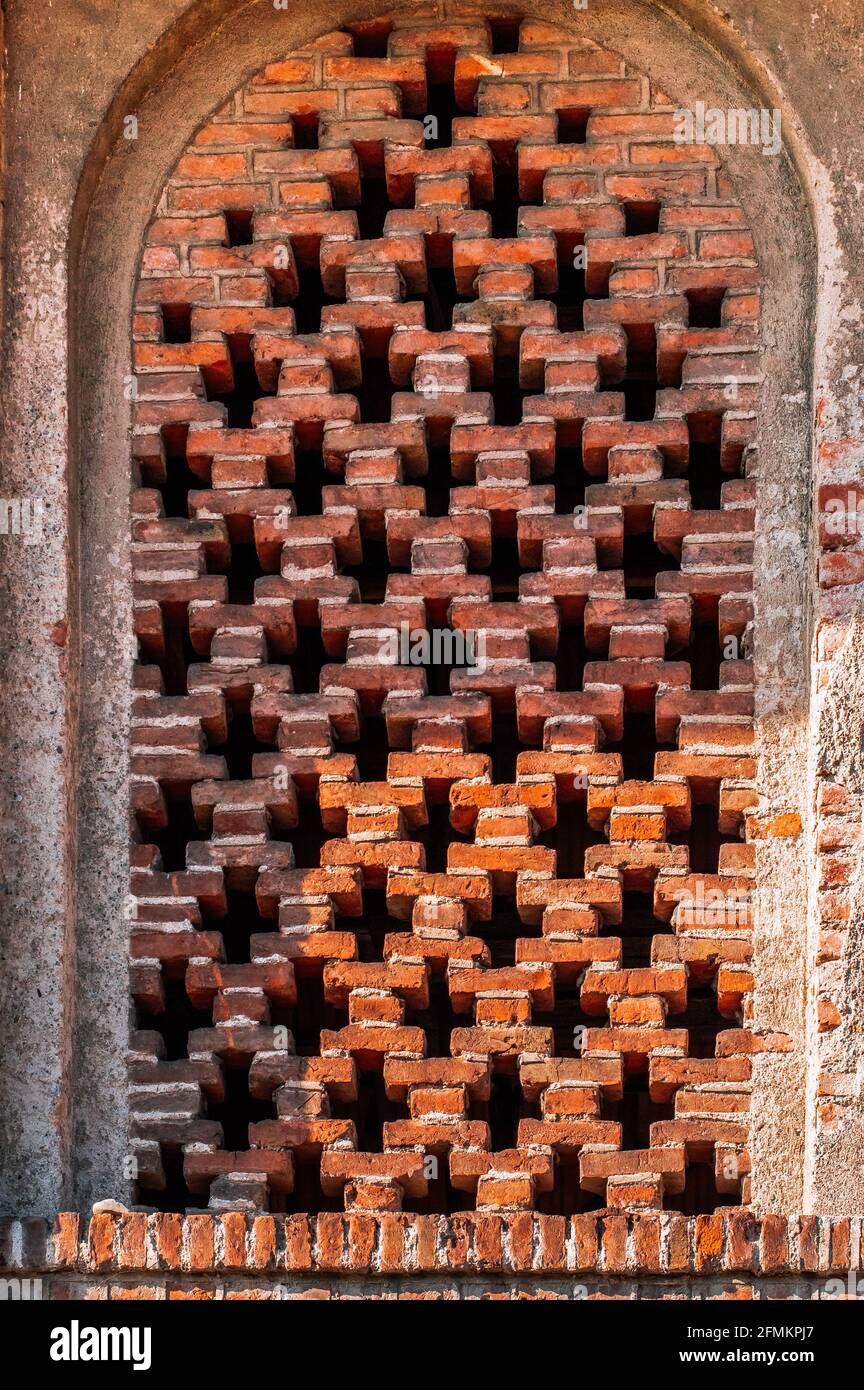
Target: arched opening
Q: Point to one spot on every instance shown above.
(572, 837)
(498, 216)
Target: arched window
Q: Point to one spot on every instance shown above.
(447, 372)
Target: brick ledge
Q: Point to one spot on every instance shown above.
(475, 1243)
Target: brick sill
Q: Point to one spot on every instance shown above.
(652, 1245)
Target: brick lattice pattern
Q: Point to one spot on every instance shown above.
(444, 936)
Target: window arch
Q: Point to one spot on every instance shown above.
(442, 337)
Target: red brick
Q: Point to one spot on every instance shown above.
(253, 170)
(773, 1244)
(200, 1247)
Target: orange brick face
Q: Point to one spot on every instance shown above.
(447, 366)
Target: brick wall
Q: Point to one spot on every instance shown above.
(460, 934)
(511, 1255)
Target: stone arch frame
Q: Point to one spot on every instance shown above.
(102, 274)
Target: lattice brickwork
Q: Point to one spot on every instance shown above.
(414, 935)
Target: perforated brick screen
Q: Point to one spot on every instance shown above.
(446, 360)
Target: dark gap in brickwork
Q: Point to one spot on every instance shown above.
(505, 747)
(568, 1015)
(507, 395)
(438, 482)
(240, 403)
(370, 37)
(505, 570)
(371, 575)
(372, 753)
(179, 483)
(239, 226)
(438, 672)
(308, 836)
(177, 323)
(239, 924)
(704, 656)
(573, 125)
(457, 1200)
(241, 747)
(178, 1019)
(569, 296)
(571, 837)
(372, 1111)
(569, 481)
(506, 201)
(437, 1199)
(637, 1111)
(505, 34)
(179, 653)
(374, 207)
(242, 573)
(310, 477)
(504, 928)
(640, 383)
(637, 928)
(307, 660)
(638, 746)
(435, 837)
(305, 131)
(442, 105)
(440, 298)
(174, 435)
(641, 219)
(172, 841)
(376, 391)
(310, 1014)
(310, 299)
(239, 1109)
(174, 1196)
(705, 477)
(700, 1194)
(701, 1018)
(704, 840)
(307, 1194)
(571, 657)
(438, 1020)
(504, 1110)
(568, 1196)
(641, 351)
(705, 307)
(240, 348)
(643, 561)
